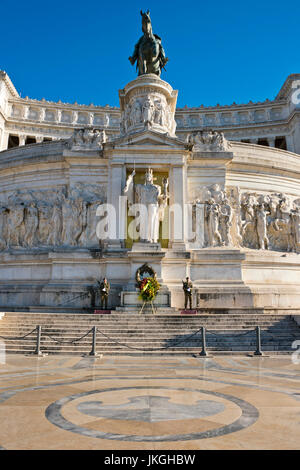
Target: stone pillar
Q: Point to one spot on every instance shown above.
(268, 114)
(236, 117)
(39, 139)
(58, 115)
(4, 143)
(22, 139)
(199, 229)
(26, 112)
(290, 143)
(178, 219)
(271, 141)
(115, 191)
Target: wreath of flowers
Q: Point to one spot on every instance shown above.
(148, 286)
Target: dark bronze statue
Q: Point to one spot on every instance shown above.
(148, 54)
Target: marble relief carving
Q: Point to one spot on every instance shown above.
(250, 220)
(206, 141)
(88, 138)
(150, 110)
(49, 218)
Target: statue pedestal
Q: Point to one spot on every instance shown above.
(130, 299)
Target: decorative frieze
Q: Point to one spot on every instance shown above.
(49, 218)
(208, 141)
(250, 220)
(87, 139)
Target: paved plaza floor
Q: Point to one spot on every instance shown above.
(153, 403)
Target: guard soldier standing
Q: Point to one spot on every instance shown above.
(187, 288)
(104, 291)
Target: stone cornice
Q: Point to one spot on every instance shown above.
(9, 84)
(286, 88)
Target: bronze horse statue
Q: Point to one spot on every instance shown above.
(148, 54)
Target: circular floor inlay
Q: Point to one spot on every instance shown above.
(151, 409)
(140, 405)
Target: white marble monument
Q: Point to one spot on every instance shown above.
(226, 214)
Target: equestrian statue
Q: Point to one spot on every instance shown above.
(148, 54)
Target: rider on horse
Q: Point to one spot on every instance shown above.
(148, 52)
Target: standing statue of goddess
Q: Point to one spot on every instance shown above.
(153, 200)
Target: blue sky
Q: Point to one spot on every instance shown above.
(219, 52)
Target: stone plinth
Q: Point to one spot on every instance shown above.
(148, 102)
(130, 299)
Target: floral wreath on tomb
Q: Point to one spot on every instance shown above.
(147, 284)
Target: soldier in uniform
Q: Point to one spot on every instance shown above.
(187, 288)
(104, 291)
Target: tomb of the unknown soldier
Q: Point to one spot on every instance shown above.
(149, 260)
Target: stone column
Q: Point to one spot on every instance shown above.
(268, 114)
(26, 112)
(290, 143)
(115, 191)
(4, 141)
(22, 139)
(178, 219)
(199, 229)
(271, 141)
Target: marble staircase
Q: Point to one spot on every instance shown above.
(147, 334)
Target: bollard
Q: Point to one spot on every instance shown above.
(258, 351)
(203, 352)
(93, 351)
(38, 340)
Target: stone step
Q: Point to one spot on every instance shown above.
(145, 322)
(152, 333)
(140, 330)
(144, 333)
(145, 316)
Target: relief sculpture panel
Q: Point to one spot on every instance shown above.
(247, 220)
(50, 218)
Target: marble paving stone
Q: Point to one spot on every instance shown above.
(68, 403)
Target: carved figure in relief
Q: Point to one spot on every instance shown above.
(248, 205)
(217, 193)
(31, 224)
(212, 214)
(295, 227)
(226, 221)
(158, 113)
(44, 215)
(235, 198)
(3, 212)
(261, 226)
(67, 221)
(136, 113)
(79, 212)
(148, 110)
(54, 237)
(14, 221)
